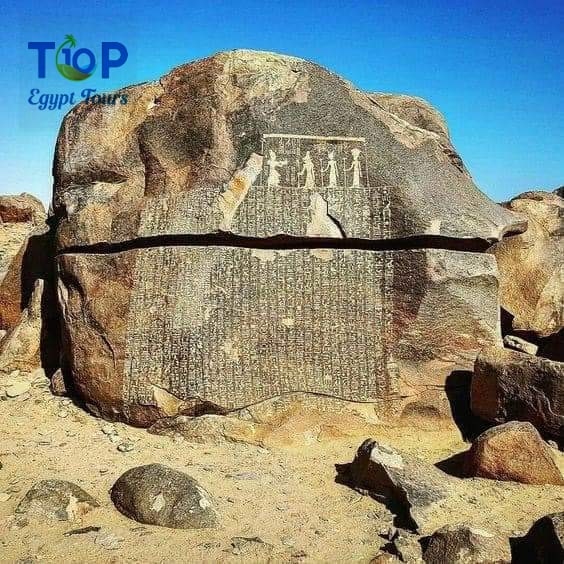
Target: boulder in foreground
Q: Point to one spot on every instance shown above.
(513, 451)
(543, 544)
(158, 495)
(509, 385)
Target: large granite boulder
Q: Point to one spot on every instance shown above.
(531, 265)
(251, 225)
(509, 385)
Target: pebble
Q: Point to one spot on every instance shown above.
(108, 540)
(63, 413)
(109, 430)
(17, 389)
(126, 447)
(4, 497)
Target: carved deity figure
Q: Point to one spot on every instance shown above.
(308, 170)
(332, 169)
(273, 174)
(356, 169)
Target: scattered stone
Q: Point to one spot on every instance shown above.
(530, 265)
(109, 430)
(518, 344)
(17, 389)
(509, 385)
(215, 429)
(82, 531)
(463, 544)
(108, 540)
(57, 384)
(513, 451)
(126, 447)
(409, 485)
(63, 414)
(407, 548)
(56, 499)
(4, 497)
(543, 544)
(252, 549)
(158, 495)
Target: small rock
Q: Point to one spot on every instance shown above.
(462, 544)
(4, 497)
(17, 389)
(63, 414)
(158, 495)
(518, 344)
(109, 430)
(57, 384)
(252, 549)
(56, 499)
(409, 485)
(514, 452)
(544, 543)
(109, 541)
(126, 447)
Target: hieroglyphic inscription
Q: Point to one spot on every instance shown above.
(222, 325)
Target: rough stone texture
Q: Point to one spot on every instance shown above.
(57, 500)
(158, 495)
(187, 152)
(411, 486)
(215, 429)
(154, 332)
(511, 385)
(57, 384)
(531, 265)
(464, 544)
(518, 344)
(543, 544)
(24, 243)
(513, 451)
(20, 348)
(413, 110)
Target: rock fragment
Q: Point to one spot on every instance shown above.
(543, 544)
(518, 344)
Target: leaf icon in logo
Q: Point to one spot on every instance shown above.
(68, 71)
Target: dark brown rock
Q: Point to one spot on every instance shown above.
(510, 385)
(24, 208)
(464, 544)
(158, 495)
(543, 544)
(513, 451)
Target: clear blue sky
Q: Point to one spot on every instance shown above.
(495, 69)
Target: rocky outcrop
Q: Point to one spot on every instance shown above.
(531, 266)
(513, 451)
(158, 495)
(251, 225)
(509, 385)
(23, 254)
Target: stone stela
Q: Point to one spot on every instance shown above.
(235, 326)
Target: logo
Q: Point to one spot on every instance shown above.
(76, 64)
(79, 64)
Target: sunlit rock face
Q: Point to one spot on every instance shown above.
(252, 225)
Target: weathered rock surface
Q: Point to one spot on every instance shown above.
(510, 385)
(214, 429)
(409, 485)
(464, 544)
(513, 451)
(20, 349)
(531, 265)
(413, 110)
(231, 133)
(158, 495)
(250, 226)
(24, 243)
(142, 346)
(543, 544)
(57, 384)
(57, 500)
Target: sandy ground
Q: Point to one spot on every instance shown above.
(285, 498)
